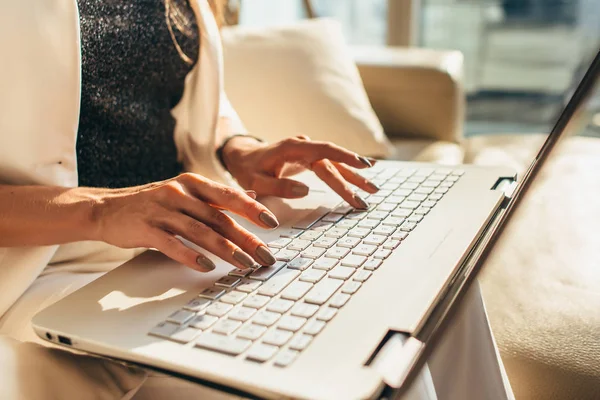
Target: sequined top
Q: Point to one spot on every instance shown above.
(132, 75)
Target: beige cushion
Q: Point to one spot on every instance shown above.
(542, 283)
(300, 80)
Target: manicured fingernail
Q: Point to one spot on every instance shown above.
(205, 263)
(372, 160)
(299, 190)
(243, 259)
(251, 194)
(265, 255)
(268, 219)
(373, 186)
(362, 204)
(363, 160)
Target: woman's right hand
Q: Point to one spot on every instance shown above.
(189, 206)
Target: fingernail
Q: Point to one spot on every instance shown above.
(251, 194)
(205, 263)
(268, 219)
(364, 161)
(243, 259)
(299, 190)
(372, 160)
(373, 186)
(363, 205)
(265, 255)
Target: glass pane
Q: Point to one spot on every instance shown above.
(521, 56)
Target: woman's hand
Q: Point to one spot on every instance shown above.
(188, 206)
(263, 168)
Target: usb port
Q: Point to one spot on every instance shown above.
(64, 340)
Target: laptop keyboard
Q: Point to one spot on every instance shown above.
(271, 314)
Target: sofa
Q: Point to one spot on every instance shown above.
(542, 284)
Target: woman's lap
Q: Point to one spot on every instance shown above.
(464, 365)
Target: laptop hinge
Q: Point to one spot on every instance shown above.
(395, 359)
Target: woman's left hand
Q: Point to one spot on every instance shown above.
(265, 168)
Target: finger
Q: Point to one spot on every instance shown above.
(204, 236)
(280, 187)
(173, 248)
(229, 198)
(326, 171)
(229, 229)
(308, 152)
(356, 179)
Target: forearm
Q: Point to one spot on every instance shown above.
(45, 215)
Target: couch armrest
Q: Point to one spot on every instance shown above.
(414, 92)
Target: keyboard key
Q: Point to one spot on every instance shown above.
(212, 293)
(408, 226)
(372, 264)
(417, 197)
(326, 314)
(361, 276)
(300, 263)
(324, 242)
(377, 215)
(431, 183)
(336, 232)
(332, 217)
(382, 254)
(375, 199)
(393, 222)
(368, 223)
(340, 272)
(322, 291)
(290, 233)
(364, 250)
(251, 332)
(312, 275)
(164, 330)
(321, 226)
(401, 213)
(436, 196)
(457, 172)
(359, 232)
(264, 273)
(353, 260)
(223, 344)
(391, 244)
(411, 205)
(415, 218)
(298, 244)
(300, 342)
(395, 200)
(429, 204)
(277, 337)
(278, 282)
(385, 208)
(356, 215)
(185, 335)
(285, 358)
(304, 310)
(291, 323)
(248, 286)
(266, 318)
(257, 301)
(197, 304)
(352, 286)
(325, 263)
(313, 252)
(181, 316)
(242, 314)
(402, 192)
(399, 235)
(296, 290)
(234, 297)
(218, 309)
(311, 235)
(261, 352)
(314, 327)
(343, 208)
(240, 273)
(227, 281)
(280, 306)
(203, 321)
(347, 224)
(349, 242)
(279, 243)
(375, 240)
(286, 255)
(424, 190)
(385, 230)
(337, 252)
(226, 326)
(409, 185)
(339, 300)
(422, 210)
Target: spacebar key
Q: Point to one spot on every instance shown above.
(223, 344)
(323, 291)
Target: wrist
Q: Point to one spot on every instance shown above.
(236, 148)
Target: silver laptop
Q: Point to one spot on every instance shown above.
(350, 310)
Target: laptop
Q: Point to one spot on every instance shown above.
(352, 308)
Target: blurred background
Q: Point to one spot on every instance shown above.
(521, 56)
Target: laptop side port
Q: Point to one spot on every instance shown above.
(64, 340)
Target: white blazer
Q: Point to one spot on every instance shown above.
(40, 85)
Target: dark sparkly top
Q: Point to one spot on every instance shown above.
(132, 75)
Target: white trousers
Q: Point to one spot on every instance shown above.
(465, 365)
